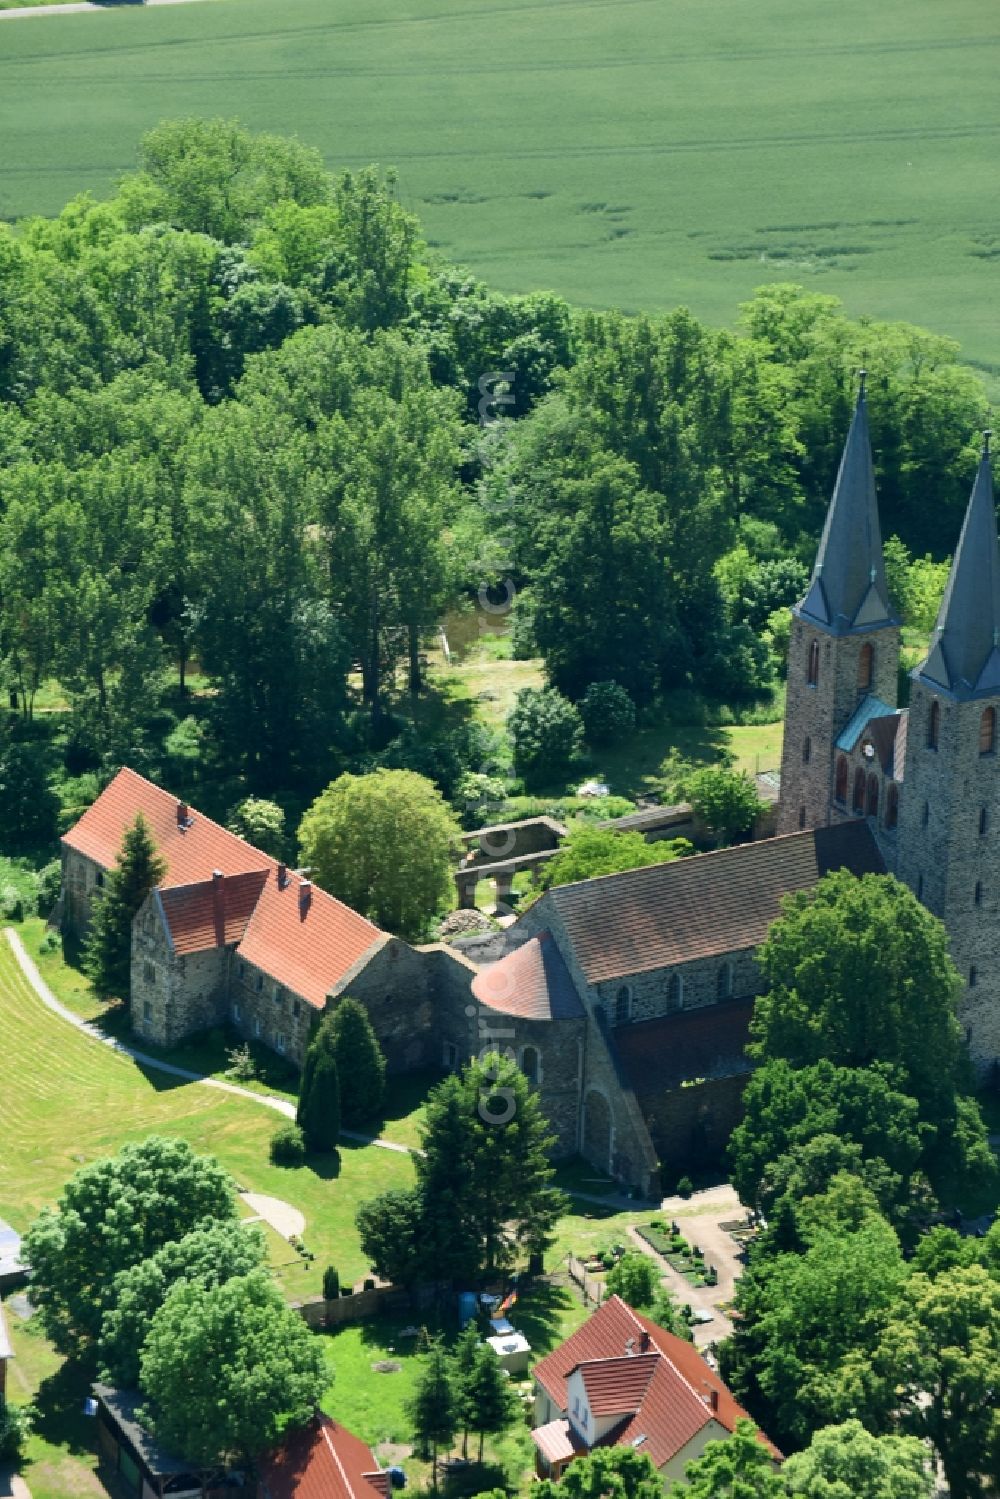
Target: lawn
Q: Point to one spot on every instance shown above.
(640, 153)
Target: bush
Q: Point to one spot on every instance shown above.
(608, 713)
(15, 1428)
(634, 1278)
(49, 886)
(261, 823)
(546, 732)
(685, 1187)
(288, 1146)
(11, 903)
(331, 1283)
(241, 1063)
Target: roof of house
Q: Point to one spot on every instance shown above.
(306, 939)
(532, 982)
(191, 844)
(123, 1406)
(964, 658)
(665, 1390)
(709, 904)
(299, 935)
(848, 590)
(212, 913)
(660, 1054)
(557, 1441)
(322, 1460)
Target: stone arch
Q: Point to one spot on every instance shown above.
(598, 1129)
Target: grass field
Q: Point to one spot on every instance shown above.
(638, 153)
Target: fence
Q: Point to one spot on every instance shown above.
(592, 1288)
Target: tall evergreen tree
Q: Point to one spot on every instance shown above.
(108, 956)
(318, 1112)
(433, 1409)
(463, 1363)
(492, 1403)
(360, 1062)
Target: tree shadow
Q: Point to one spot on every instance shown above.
(58, 1402)
(538, 1312)
(325, 1164)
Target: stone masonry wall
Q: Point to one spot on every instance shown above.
(261, 1009)
(650, 994)
(81, 879)
(943, 860)
(173, 996)
(395, 988)
(691, 1126)
(820, 713)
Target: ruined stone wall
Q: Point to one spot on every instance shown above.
(395, 988)
(690, 1126)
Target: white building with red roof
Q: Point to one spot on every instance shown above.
(621, 1381)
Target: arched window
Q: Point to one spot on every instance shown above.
(978, 894)
(988, 732)
(873, 789)
(866, 667)
(724, 982)
(813, 670)
(802, 817)
(842, 772)
(675, 991)
(807, 749)
(973, 976)
(623, 1005)
(984, 821)
(934, 725)
(860, 787)
(529, 1063)
(892, 805)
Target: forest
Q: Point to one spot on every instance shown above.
(257, 438)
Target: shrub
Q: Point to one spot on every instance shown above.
(331, 1283)
(546, 731)
(288, 1146)
(11, 903)
(49, 886)
(608, 713)
(15, 1428)
(685, 1187)
(261, 823)
(241, 1063)
(634, 1278)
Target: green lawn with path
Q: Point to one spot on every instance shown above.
(638, 153)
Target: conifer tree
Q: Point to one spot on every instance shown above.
(318, 1113)
(138, 870)
(492, 1403)
(360, 1062)
(433, 1409)
(463, 1362)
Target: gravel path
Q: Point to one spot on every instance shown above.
(283, 1218)
(265, 1100)
(700, 1218)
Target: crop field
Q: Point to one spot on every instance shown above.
(638, 153)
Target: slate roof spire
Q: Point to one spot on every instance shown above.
(848, 590)
(964, 658)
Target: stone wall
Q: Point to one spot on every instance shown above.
(690, 1126)
(173, 996)
(702, 982)
(819, 713)
(261, 1009)
(395, 988)
(614, 1135)
(81, 880)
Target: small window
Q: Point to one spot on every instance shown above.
(977, 895)
(984, 821)
(892, 806)
(258, 983)
(842, 774)
(583, 1418)
(724, 982)
(675, 991)
(988, 732)
(873, 792)
(450, 1055)
(973, 976)
(802, 817)
(256, 1026)
(807, 749)
(920, 887)
(623, 1005)
(147, 1011)
(812, 673)
(279, 995)
(148, 972)
(296, 1008)
(237, 1012)
(860, 788)
(925, 816)
(99, 879)
(866, 667)
(279, 1043)
(529, 1063)
(934, 725)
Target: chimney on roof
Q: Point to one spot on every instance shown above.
(644, 1341)
(282, 876)
(305, 897)
(183, 815)
(218, 907)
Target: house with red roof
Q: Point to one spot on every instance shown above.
(322, 1460)
(621, 1381)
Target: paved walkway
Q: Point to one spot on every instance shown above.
(700, 1218)
(282, 1217)
(89, 1028)
(68, 10)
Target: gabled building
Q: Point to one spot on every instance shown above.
(322, 1460)
(621, 1381)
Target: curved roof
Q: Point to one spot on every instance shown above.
(532, 982)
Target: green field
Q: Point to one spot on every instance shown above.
(637, 153)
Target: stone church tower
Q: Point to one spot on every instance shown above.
(949, 824)
(844, 643)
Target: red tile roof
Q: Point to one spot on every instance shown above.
(308, 945)
(557, 1441)
(667, 914)
(532, 981)
(212, 913)
(672, 1402)
(305, 938)
(191, 851)
(708, 1042)
(322, 1461)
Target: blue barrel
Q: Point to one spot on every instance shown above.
(467, 1304)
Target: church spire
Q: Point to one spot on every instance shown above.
(848, 589)
(964, 658)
